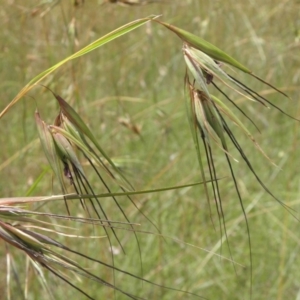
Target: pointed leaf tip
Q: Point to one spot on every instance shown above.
(206, 47)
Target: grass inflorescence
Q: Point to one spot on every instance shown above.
(118, 169)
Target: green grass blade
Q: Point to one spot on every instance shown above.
(208, 48)
(73, 196)
(94, 45)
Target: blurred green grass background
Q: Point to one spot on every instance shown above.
(138, 80)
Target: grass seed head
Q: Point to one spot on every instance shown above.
(49, 148)
(66, 150)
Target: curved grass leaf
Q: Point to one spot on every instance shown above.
(204, 46)
(20, 200)
(92, 46)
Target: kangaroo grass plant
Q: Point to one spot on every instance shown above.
(43, 250)
(207, 115)
(74, 154)
(60, 142)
